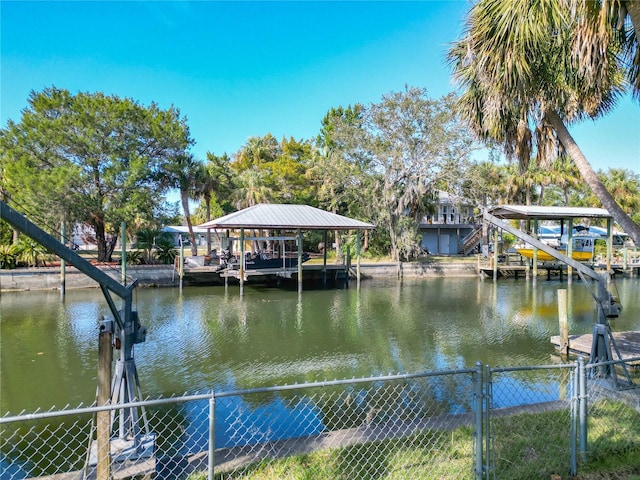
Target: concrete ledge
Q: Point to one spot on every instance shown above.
(419, 269)
(48, 278)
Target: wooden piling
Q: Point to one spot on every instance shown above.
(564, 322)
(123, 254)
(103, 424)
(300, 248)
(495, 254)
(63, 264)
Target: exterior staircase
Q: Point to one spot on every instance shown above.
(471, 241)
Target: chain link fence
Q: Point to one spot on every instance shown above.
(530, 421)
(610, 433)
(507, 423)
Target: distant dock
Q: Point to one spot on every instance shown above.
(313, 274)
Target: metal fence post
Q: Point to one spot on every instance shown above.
(582, 407)
(478, 419)
(488, 397)
(212, 437)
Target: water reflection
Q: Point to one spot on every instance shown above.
(203, 339)
(210, 338)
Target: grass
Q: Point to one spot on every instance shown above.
(526, 446)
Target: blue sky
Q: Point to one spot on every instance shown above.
(242, 69)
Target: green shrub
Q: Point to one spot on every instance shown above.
(135, 257)
(8, 256)
(165, 251)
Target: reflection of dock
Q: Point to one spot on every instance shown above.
(628, 343)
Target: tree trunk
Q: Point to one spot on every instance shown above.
(187, 215)
(590, 177)
(101, 241)
(111, 246)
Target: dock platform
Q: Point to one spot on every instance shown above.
(515, 271)
(628, 343)
(311, 273)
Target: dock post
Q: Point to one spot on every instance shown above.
(63, 264)
(535, 252)
(358, 259)
(299, 260)
(495, 254)
(242, 261)
(564, 322)
(181, 268)
(123, 255)
(324, 260)
(570, 250)
(609, 244)
(347, 265)
(103, 435)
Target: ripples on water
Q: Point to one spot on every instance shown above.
(203, 338)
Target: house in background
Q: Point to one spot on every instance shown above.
(200, 233)
(452, 229)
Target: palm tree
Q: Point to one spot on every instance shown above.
(624, 185)
(564, 175)
(251, 190)
(213, 179)
(522, 84)
(181, 172)
(602, 22)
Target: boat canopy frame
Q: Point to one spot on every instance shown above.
(607, 306)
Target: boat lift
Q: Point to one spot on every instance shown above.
(125, 327)
(607, 306)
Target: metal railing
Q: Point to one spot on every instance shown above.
(521, 422)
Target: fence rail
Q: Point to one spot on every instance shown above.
(519, 422)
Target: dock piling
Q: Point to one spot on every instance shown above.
(564, 322)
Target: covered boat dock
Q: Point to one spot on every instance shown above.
(532, 215)
(289, 221)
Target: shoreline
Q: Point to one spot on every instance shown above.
(152, 276)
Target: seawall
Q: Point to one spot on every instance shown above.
(419, 269)
(48, 278)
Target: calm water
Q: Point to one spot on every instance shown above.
(204, 338)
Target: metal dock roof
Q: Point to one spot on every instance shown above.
(523, 212)
(286, 216)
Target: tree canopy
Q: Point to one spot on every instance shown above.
(523, 82)
(402, 149)
(90, 158)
